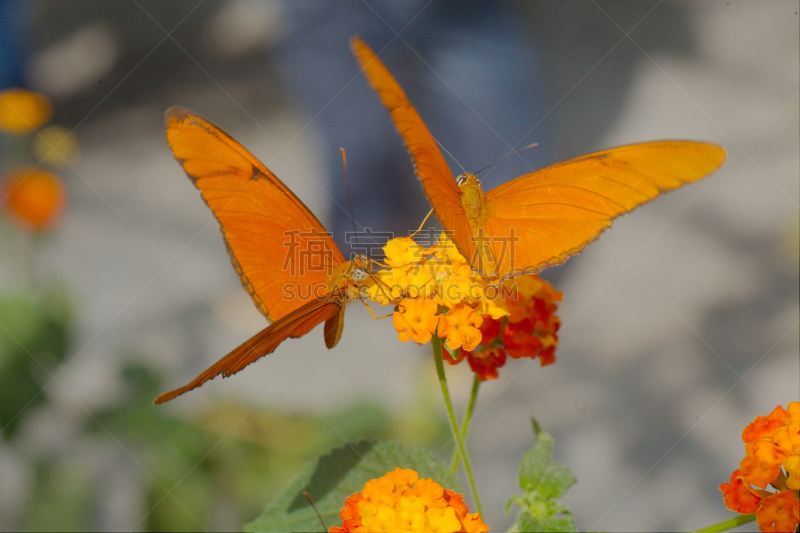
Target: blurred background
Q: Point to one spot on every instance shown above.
(679, 326)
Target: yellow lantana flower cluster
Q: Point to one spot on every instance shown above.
(772, 445)
(402, 502)
(435, 293)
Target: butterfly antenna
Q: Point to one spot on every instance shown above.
(424, 220)
(311, 501)
(445, 150)
(349, 198)
(532, 145)
(353, 218)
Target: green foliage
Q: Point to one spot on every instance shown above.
(227, 458)
(35, 329)
(544, 480)
(61, 499)
(332, 478)
(210, 469)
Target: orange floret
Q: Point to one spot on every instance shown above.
(778, 513)
(738, 496)
(402, 251)
(762, 463)
(486, 362)
(460, 328)
(416, 320)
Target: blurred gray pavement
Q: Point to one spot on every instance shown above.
(679, 326)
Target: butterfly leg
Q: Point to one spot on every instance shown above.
(373, 312)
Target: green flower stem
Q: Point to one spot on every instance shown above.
(734, 522)
(451, 415)
(476, 382)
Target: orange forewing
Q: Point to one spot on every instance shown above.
(560, 209)
(429, 163)
(295, 324)
(265, 228)
(260, 218)
(549, 214)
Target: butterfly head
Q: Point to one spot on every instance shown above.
(359, 268)
(465, 178)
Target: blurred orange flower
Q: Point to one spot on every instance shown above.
(22, 111)
(402, 502)
(35, 198)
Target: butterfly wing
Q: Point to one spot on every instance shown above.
(297, 323)
(429, 163)
(266, 228)
(556, 211)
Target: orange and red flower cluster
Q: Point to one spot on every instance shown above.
(401, 502)
(437, 293)
(529, 330)
(772, 445)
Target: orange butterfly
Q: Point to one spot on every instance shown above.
(539, 219)
(287, 262)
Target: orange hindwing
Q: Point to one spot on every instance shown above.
(285, 259)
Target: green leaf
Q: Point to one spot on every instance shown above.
(543, 480)
(35, 330)
(540, 472)
(526, 522)
(333, 477)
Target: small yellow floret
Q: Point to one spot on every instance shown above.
(460, 328)
(416, 320)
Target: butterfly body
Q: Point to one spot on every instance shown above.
(476, 211)
(472, 199)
